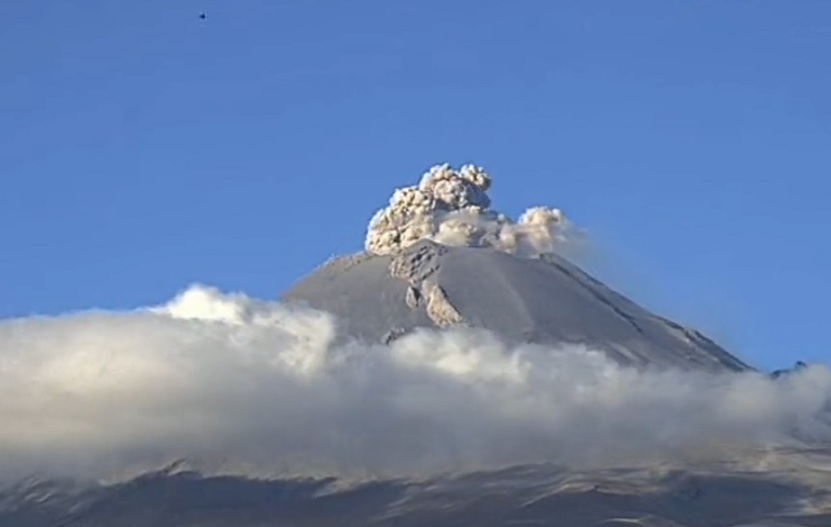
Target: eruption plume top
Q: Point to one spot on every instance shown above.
(452, 207)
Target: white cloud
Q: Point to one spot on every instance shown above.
(261, 388)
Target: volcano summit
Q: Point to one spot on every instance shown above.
(439, 257)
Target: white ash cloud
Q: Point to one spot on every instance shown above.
(452, 207)
(240, 385)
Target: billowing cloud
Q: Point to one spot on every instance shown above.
(452, 207)
(236, 384)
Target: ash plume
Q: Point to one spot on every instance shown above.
(452, 207)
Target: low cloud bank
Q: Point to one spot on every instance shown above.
(235, 384)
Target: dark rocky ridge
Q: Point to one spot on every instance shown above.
(545, 300)
(522, 495)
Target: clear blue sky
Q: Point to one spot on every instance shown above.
(142, 149)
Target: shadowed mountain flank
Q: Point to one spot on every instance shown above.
(522, 495)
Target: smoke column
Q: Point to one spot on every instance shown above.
(452, 207)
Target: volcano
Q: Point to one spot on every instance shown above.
(438, 256)
(376, 407)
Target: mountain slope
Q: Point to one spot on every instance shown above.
(542, 300)
(521, 495)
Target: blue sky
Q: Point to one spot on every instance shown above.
(142, 149)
